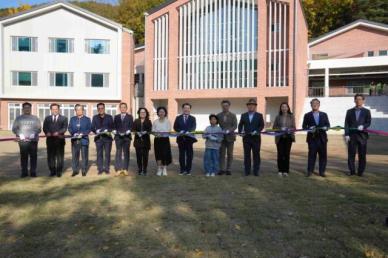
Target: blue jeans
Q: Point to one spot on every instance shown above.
(211, 160)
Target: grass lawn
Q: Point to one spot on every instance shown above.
(174, 216)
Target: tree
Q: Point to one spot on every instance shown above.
(326, 15)
(131, 15)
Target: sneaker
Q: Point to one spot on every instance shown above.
(280, 174)
(228, 173)
(221, 172)
(213, 174)
(182, 173)
(188, 174)
(164, 171)
(285, 174)
(125, 172)
(159, 172)
(207, 174)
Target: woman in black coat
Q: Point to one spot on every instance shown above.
(142, 127)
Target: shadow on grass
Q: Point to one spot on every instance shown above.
(197, 216)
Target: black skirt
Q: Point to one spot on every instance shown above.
(162, 149)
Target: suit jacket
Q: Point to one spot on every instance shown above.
(143, 141)
(121, 126)
(189, 126)
(228, 121)
(290, 123)
(60, 126)
(102, 124)
(257, 124)
(85, 126)
(319, 134)
(364, 119)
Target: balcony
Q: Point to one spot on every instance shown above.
(346, 91)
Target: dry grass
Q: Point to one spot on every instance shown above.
(197, 216)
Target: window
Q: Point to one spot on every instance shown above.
(371, 53)
(320, 56)
(110, 109)
(67, 110)
(24, 44)
(61, 45)
(97, 80)
(97, 46)
(24, 78)
(275, 27)
(14, 110)
(59, 79)
(383, 52)
(43, 110)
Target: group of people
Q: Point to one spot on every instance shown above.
(219, 138)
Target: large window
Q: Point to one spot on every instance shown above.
(97, 80)
(97, 46)
(24, 78)
(43, 110)
(61, 45)
(278, 44)
(14, 110)
(161, 53)
(218, 44)
(59, 79)
(24, 44)
(383, 52)
(65, 110)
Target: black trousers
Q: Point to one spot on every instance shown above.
(122, 153)
(55, 154)
(104, 148)
(252, 145)
(28, 150)
(77, 150)
(320, 148)
(357, 145)
(284, 150)
(185, 156)
(142, 159)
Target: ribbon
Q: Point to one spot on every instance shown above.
(269, 132)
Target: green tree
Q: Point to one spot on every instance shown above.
(326, 15)
(131, 15)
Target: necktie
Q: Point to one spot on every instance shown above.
(122, 118)
(185, 118)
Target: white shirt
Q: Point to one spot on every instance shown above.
(161, 126)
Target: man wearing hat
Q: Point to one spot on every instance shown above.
(250, 125)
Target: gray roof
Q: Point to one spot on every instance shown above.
(333, 32)
(66, 3)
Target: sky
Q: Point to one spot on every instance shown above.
(13, 3)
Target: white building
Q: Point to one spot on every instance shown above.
(61, 53)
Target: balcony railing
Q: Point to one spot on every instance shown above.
(316, 92)
(344, 91)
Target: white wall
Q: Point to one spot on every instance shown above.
(201, 109)
(62, 23)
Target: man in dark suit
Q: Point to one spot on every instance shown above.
(185, 124)
(357, 120)
(317, 123)
(55, 126)
(122, 130)
(102, 126)
(251, 124)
